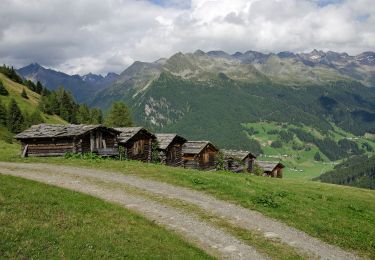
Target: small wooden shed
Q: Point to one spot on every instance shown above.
(56, 140)
(199, 155)
(238, 161)
(137, 143)
(170, 149)
(271, 169)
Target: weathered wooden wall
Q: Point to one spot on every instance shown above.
(130, 151)
(48, 147)
(172, 156)
(63, 145)
(205, 160)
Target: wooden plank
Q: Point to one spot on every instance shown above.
(24, 152)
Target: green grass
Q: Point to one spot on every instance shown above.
(26, 105)
(300, 164)
(44, 222)
(339, 215)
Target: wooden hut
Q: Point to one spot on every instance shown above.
(170, 148)
(56, 140)
(199, 155)
(238, 161)
(137, 143)
(271, 169)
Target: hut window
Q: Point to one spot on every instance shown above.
(138, 147)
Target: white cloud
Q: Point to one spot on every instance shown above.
(81, 36)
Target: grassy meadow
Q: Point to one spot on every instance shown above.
(45, 222)
(26, 105)
(339, 215)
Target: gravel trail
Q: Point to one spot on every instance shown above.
(234, 214)
(209, 238)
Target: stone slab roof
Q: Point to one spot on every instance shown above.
(126, 133)
(236, 154)
(269, 166)
(54, 130)
(195, 147)
(166, 140)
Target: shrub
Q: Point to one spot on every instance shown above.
(3, 90)
(277, 144)
(24, 94)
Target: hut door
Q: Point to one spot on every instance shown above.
(98, 140)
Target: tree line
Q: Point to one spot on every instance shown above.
(358, 171)
(59, 102)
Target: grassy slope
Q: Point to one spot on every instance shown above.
(41, 221)
(300, 164)
(28, 105)
(336, 214)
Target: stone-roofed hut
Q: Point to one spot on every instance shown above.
(271, 169)
(137, 143)
(199, 155)
(170, 149)
(238, 161)
(56, 140)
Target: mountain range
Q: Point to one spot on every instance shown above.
(211, 95)
(82, 87)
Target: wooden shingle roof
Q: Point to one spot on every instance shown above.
(236, 154)
(165, 140)
(195, 147)
(52, 130)
(126, 133)
(269, 166)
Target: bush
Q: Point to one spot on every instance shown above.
(24, 94)
(257, 170)
(220, 162)
(273, 132)
(277, 144)
(317, 157)
(3, 90)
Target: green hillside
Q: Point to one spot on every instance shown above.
(357, 171)
(281, 142)
(26, 105)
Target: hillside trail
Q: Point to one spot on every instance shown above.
(211, 239)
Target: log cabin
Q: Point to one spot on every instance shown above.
(136, 143)
(170, 149)
(57, 140)
(271, 169)
(199, 155)
(238, 161)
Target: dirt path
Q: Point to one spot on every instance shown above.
(74, 178)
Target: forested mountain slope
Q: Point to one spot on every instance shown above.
(357, 171)
(211, 95)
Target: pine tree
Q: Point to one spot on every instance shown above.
(83, 114)
(119, 115)
(39, 88)
(3, 114)
(96, 116)
(317, 157)
(15, 119)
(3, 90)
(34, 118)
(24, 94)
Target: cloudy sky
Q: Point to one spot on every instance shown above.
(81, 36)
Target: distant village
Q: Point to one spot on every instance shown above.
(137, 143)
